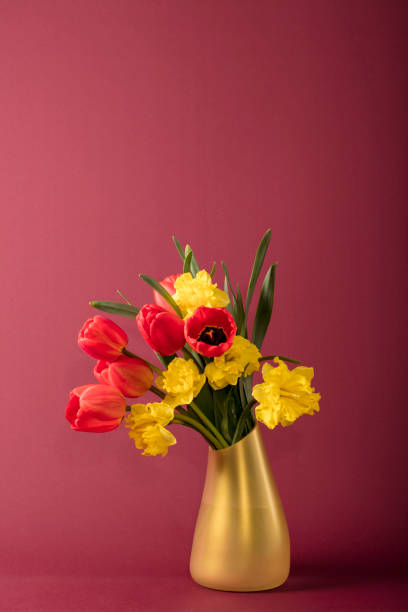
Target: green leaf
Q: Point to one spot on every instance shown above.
(117, 308)
(217, 409)
(265, 306)
(258, 261)
(194, 267)
(160, 289)
(228, 280)
(205, 402)
(187, 262)
(247, 381)
(179, 248)
(165, 359)
(214, 267)
(226, 289)
(234, 409)
(224, 423)
(240, 314)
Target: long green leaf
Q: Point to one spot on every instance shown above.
(226, 289)
(179, 248)
(213, 269)
(205, 402)
(187, 262)
(160, 289)
(247, 381)
(265, 306)
(258, 261)
(225, 423)
(165, 359)
(117, 308)
(228, 279)
(240, 314)
(194, 267)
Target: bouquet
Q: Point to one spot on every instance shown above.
(206, 361)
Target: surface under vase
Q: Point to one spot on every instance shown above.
(241, 540)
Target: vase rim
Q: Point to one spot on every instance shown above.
(225, 450)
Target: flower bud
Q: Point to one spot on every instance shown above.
(168, 284)
(130, 375)
(95, 408)
(162, 330)
(101, 338)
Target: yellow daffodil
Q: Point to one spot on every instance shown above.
(199, 291)
(181, 382)
(146, 424)
(241, 359)
(285, 394)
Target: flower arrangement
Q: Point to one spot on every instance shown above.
(200, 336)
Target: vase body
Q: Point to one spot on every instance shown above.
(241, 539)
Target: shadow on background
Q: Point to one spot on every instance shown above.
(323, 577)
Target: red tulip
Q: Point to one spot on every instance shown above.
(102, 338)
(130, 375)
(101, 371)
(210, 331)
(95, 408)
(168, 284)
(162, 330)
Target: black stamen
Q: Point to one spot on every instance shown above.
(212, 335)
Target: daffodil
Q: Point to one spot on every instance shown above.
(285, 394)
(181, 382)
(242, 359)
(193, 292)
(146, 424)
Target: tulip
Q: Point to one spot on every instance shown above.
(162, 330)
(101, 371)
(168, 284)
(101, 338)
(130, 375)
(95, 408)
(210, 331)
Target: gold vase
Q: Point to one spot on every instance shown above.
(241, 538)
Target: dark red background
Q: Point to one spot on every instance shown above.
(123, 123)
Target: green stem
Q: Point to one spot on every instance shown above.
(182, 419)
(182, 410)
(157, 391)
(211, 427)
(123, 296)
(242, 419)
(154, 368)
(281, 357)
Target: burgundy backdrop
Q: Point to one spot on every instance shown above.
(123, 123)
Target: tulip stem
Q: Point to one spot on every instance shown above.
(281, 357)
(207, 423)
(181, 409)
(153, 367)
(157, 391)
(242, 419)
(183, 419)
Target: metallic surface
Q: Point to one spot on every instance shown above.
(241, 539)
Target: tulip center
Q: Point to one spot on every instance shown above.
(212, 335)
